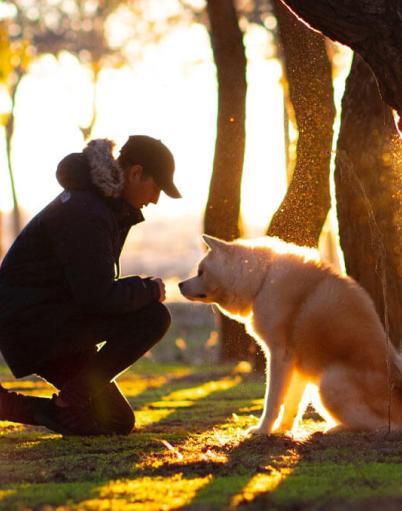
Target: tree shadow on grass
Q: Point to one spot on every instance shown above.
(342, 472)
(246, 461)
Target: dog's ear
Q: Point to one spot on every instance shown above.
(213, 242)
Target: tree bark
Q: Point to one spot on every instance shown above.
(303, 211)
(373, 28)
(223, 206)
(368, 179)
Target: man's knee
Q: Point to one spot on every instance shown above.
(113, 412)
(123, 425)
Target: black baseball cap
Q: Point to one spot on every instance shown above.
(154, 157)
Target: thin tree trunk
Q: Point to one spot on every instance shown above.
(373, 28)
(223, 206)
(88, 129)
(9, 136)
(368, 181)
(300, 217)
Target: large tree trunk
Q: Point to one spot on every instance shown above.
(223, 206)
(373, 28)
(369, 195)
(303, 211)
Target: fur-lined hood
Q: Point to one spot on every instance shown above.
(95, 167)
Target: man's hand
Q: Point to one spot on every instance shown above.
(162, 290)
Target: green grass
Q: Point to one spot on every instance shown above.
(189, 452)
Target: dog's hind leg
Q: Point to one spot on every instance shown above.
(292, 401)
(350, 402)
(279, 372)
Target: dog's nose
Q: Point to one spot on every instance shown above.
(180, 284)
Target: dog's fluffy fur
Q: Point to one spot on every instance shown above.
(314, 325)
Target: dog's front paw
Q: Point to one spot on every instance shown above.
(259, 429)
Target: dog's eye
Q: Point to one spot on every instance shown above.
(200, 272)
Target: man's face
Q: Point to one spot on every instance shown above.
(139, 189)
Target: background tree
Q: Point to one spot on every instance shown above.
(368, 181)
(223, 206)
(14, 62)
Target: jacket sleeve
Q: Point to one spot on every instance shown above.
(82, 238)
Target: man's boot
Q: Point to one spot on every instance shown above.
(69, 420)
(20, 408)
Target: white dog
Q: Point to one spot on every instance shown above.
(314, 325)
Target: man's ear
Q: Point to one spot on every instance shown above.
(213, 242)
(134, 172)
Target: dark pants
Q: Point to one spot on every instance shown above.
(85, 374)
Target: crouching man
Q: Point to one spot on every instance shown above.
(61, 295)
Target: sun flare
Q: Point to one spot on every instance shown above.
(302, 430)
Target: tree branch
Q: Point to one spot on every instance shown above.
(372, 28)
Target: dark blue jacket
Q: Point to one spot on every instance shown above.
(64, 264)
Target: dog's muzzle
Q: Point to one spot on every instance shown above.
(181, 286)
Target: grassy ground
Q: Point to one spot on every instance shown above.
(189, 452)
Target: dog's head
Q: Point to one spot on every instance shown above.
(220, 278)
(206, 285)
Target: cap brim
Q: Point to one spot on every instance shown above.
(171, 190)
